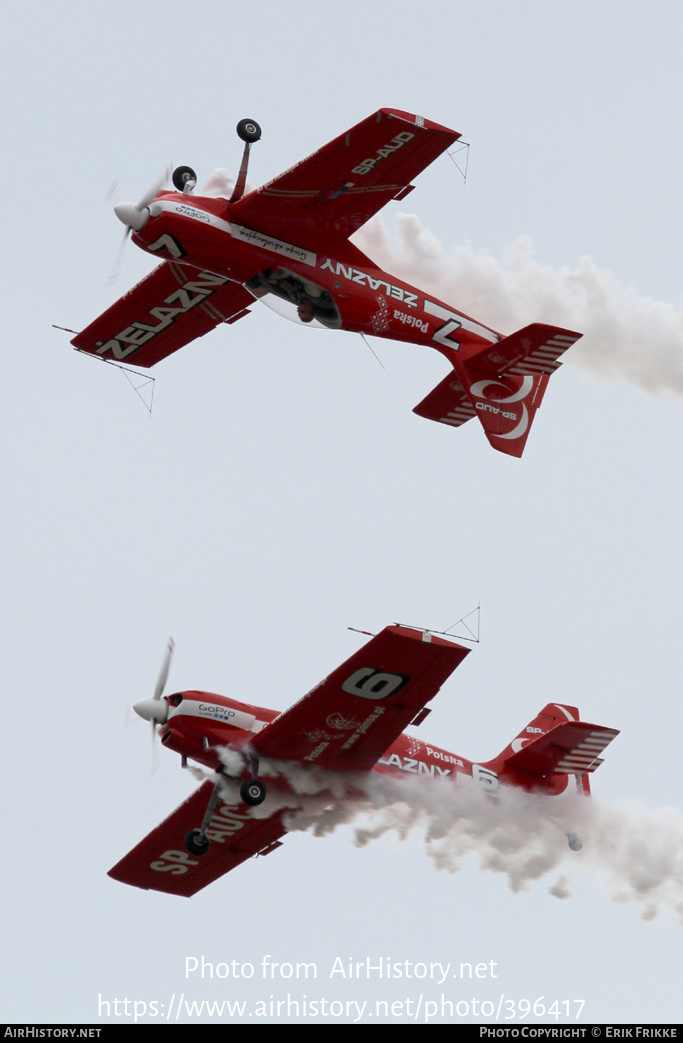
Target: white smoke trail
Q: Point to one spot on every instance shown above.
(642, 853)
(522, 836)
(625, 335)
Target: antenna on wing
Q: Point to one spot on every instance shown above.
(462, 160)
(472, 627)
(472, 618)
(141, 379)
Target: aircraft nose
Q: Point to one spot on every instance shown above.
(132, 216)
(152, 710)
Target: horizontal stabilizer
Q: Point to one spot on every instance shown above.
(448, 403)
(571, 748)
(531, 351)
(503, 384)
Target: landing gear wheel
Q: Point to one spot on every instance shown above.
(181, 175)
(253, 792)
(574, 841)
(248, 130)
(196, 844)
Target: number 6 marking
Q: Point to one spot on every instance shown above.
(370, 683)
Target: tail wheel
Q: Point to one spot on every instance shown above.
(252, 792)
(181, 175)
(248, 130)
(197, 844)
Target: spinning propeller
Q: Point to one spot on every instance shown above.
(156, 709)
(133, 216)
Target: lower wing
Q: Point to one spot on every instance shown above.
(172, 306)
(161, 862)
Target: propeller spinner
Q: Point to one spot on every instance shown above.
(135, 217)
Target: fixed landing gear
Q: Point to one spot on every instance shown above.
(184, 179)
(574, 841)
(249, 130)
(196, 843)
(253, 792)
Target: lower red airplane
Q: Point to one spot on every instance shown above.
(287, 244)
(351, 722)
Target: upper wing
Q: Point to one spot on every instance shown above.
(350, 719)
(161, 862)
(329, 195)
(173, 305)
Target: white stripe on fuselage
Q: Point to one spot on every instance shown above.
(245, 235)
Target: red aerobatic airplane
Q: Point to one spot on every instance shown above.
(350, 723)
(287, 244)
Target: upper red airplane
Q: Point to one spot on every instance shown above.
(287, 244)
(350, 723)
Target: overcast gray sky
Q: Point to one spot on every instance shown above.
(283, 490)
